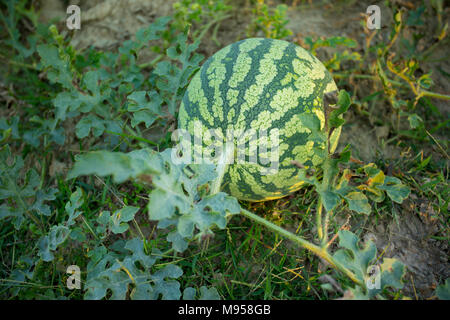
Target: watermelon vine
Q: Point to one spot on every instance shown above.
(197, 213)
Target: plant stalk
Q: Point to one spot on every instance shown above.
(426, 93)
(319, 251)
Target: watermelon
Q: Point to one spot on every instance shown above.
(266, 85)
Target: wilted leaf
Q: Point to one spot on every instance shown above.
(330, 199)
(172, 80)
(358, 202)
(177, 197)
(57, 70)
(143, 110)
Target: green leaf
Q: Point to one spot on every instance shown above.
(41, 196)
(136, 247)
(358, 202)
(358, 261)
(387, 275)
(345, 155)
(208, 294)
(392, 272)
(88, 123)
(64, 102)
(122, 166)
(414, 16)
(443, 291)
(414, 121)
(24, 271)
(356, 293)
(103, 221)
(189, 293)
(119, 219)
(163, 201)
(6, 212)
(177, 195)
(168, 289)
(101, 279)
(352, 256)
(395, 189)
(144, 111)
(335, 118)
(179, 244)
(10, 128)
(78, 234)
(22, 190)
(153, 31)
(208, 212)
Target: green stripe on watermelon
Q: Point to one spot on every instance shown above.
(263, 84)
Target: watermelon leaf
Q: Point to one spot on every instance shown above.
(177, 199)
(122, 166)
(358, 202)
(443, 291)
(172, 80)
(119, 219)
(143, 110)
(330, 199)
(395, 189)
(391, 274)
(58, 71)
(335, 119)
(205, 294)
(358, 260)
(57, 235)
(23, 189)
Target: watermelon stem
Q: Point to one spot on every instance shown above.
(222, 166)
(320, 251)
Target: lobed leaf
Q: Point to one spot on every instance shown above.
(122, 166)
(443, 291)
(130, 274)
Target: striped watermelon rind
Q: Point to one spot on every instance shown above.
(262, 84)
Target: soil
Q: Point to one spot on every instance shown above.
(106, 24)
